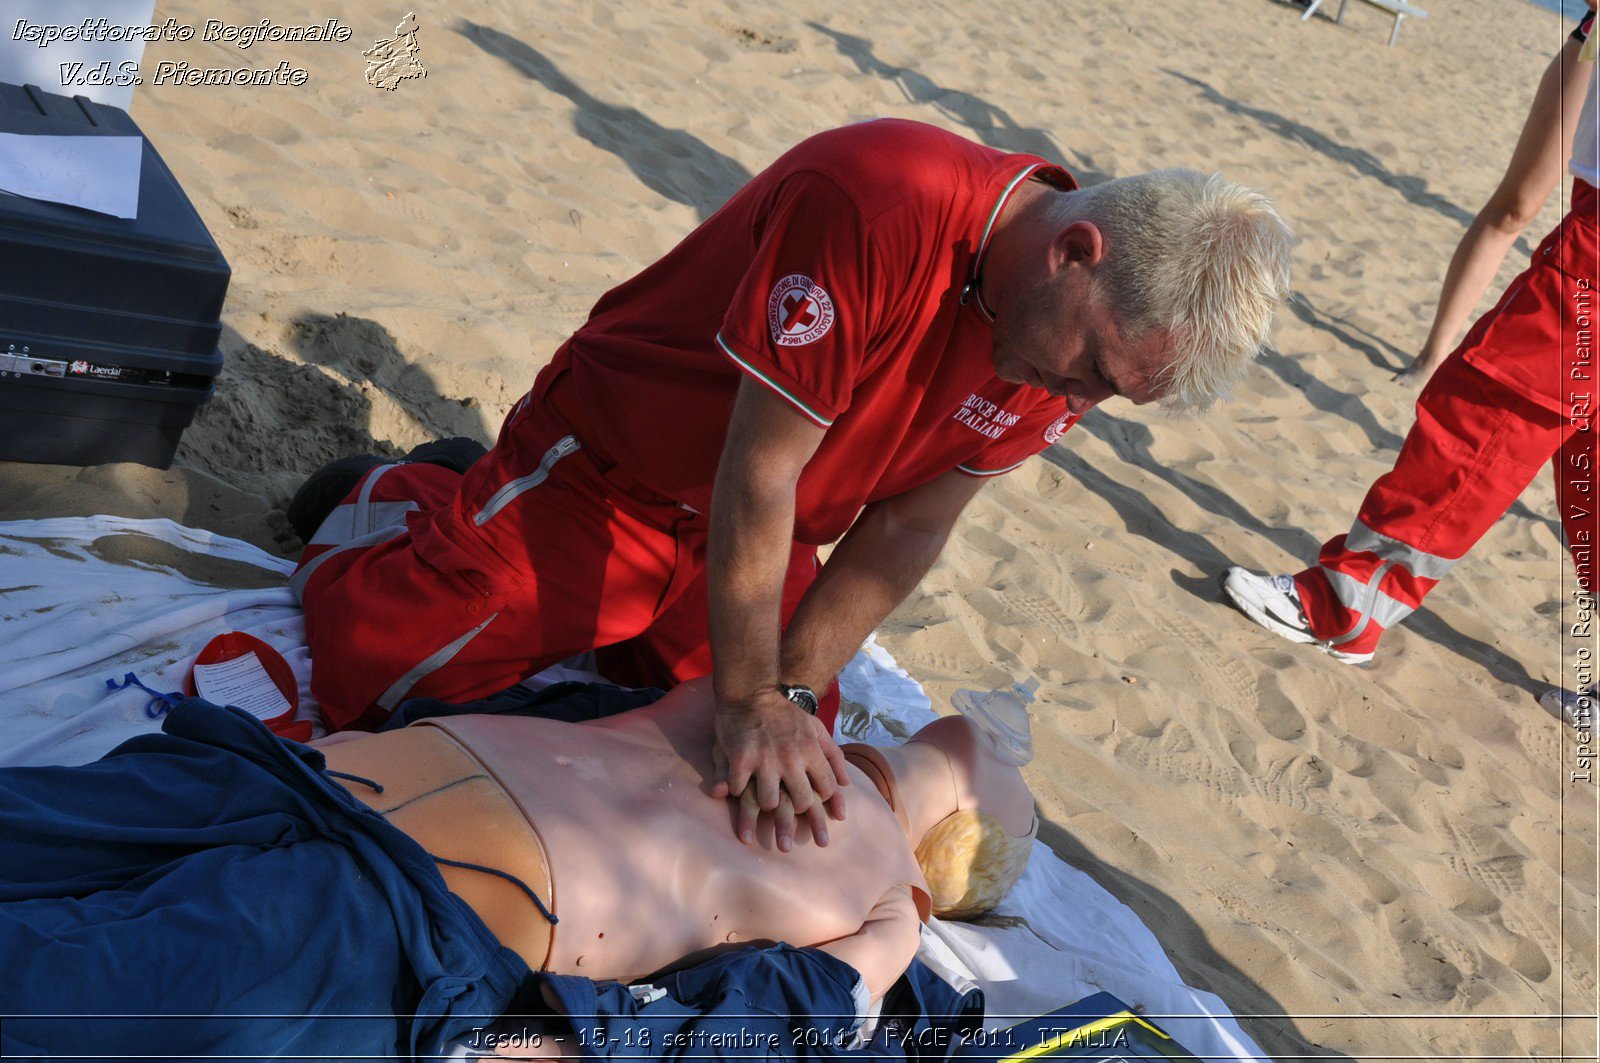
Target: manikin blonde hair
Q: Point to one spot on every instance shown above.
(1201, 257)
(970, 862)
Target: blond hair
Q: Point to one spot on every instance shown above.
(970, 862)
(1198, 256)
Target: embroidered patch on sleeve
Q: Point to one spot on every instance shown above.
(799, 311)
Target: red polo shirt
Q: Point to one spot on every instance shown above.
(834, 278)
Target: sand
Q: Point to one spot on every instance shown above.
(1369, 862)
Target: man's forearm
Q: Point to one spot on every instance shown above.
(752, 526)
(872, 570)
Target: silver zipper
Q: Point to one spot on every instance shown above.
(509, 492)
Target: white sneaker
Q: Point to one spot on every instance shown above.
(1564, 705)
(1274, 603)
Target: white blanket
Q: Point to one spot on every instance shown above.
(87, 599)
(83, 600)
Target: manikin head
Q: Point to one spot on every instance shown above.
(968, 814)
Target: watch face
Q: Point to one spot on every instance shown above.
(804, 697)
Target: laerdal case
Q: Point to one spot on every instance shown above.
(108, 326)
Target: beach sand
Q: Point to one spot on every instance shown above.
(1371, 862)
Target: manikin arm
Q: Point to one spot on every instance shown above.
(880, 952)
(1535, 169)
(884, 946)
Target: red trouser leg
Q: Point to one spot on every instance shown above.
(677, 646)
(1477, 443)
(462, 586)
(1574, 472)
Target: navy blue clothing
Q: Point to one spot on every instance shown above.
(291, 904)
(754, 1003)
(778, 1002)
(925, 1018)
(567, 702)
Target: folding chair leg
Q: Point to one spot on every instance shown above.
(1396, 31)
(1312, 10)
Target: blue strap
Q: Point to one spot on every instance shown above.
(514, 880)
(362, 779)
(158, 704)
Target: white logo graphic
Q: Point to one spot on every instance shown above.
(394, 60)
(798, 311)
(1057, 428)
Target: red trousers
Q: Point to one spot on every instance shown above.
(426, 583)
(1518, 392)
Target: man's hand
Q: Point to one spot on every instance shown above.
(768, 749)
(783, 820)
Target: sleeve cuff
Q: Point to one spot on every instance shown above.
(782, 391)
(970, 471)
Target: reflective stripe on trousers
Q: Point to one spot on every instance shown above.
(354, 526)
(1365, 597)
(503, 497)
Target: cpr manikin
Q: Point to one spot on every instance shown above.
(615, 832)
(390, 894)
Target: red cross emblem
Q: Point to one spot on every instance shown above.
(799, 311)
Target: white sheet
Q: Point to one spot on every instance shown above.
(70, 619)
(75, 611)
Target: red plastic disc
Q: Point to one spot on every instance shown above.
(231, 645)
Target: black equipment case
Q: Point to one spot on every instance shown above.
(108, 326)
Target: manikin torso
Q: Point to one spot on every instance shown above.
(647, 870)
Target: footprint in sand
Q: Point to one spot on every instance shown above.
(1276, 710)
(1425, 970)
(1484, 858)
(1352, 756)
(1042, 607)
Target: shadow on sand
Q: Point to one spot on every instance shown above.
(987, 122)
(1261, 1015)
(670, 162)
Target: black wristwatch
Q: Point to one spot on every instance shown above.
(802, 696)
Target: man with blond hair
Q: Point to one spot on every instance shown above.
(882, 320)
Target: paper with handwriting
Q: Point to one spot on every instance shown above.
(95, 173)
